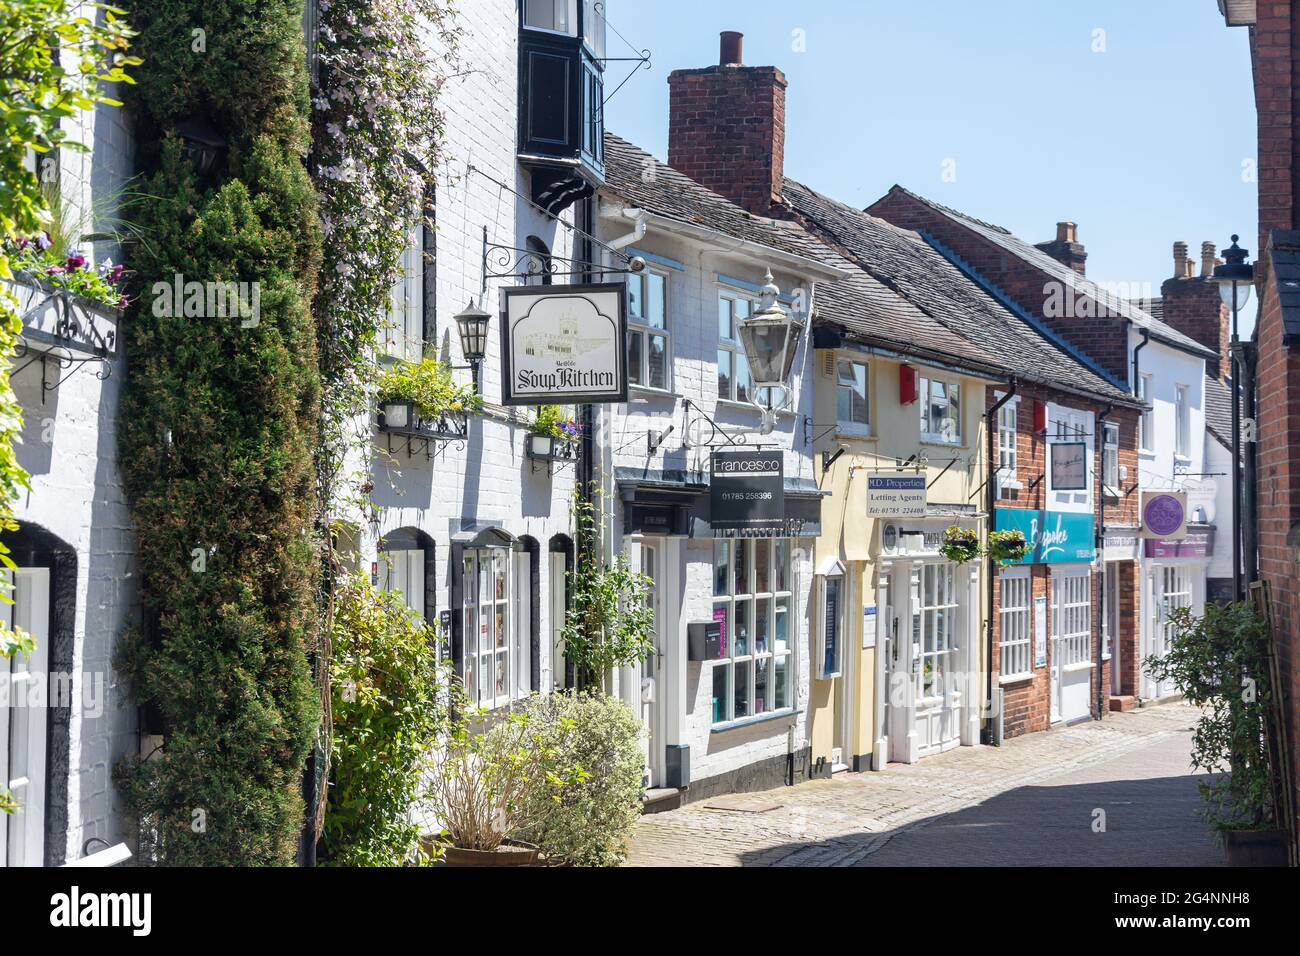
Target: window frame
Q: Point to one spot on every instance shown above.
(1020, 619)
(570, 5)
(1182, 421)
(852, 425)
(502, 614)
(1146, 428)
(732, 346)
(752, 599)
(1110, 459)
(1008, 479)
(410, 288)
(1071, 618)
(938, 438)
(638, 327)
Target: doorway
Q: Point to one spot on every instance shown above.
(1071, 664)
(652, 666)
(1172, 589)
(23, 721)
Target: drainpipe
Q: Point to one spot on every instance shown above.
(991, 495)
(1101, 546)
(1146, 337)
(1250, 492)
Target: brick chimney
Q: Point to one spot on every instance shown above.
(1192, 305)
(726, 127)
(1066, 248)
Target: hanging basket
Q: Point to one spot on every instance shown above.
(960, 544)
(1007, 546)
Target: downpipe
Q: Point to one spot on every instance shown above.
(991, 497)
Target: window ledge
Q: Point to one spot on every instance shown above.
(784, 713)
(940, 443)
(1010, 484)
(1015, 678)
(649, 391)
(853, 430)
(1075, 668)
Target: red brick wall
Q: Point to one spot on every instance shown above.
(1193, 306)
(1105, 339)
(726, 130)
(1277, 100)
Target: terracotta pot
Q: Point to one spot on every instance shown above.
(1255, 847)
(507, 854)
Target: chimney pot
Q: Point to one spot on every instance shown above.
(1207, 259)
(731, 48)
(1180, 260)
(1066, 231)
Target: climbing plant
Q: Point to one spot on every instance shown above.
(57, 58)
(218, 422)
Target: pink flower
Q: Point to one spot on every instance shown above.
(75, 262)
(121, 303)
(55, 270)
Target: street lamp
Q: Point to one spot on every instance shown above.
(1235, 278)
(472, 323)
(771, 338)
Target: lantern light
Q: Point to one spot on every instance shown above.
(771, 338)
(472, 323)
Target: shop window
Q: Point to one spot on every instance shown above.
(851, 395)
(648, 354)
(1071, 617)
(941, 411)
(1014, 629)
(753, 598)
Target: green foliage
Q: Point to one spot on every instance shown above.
(1007, 546)
(430, 384)
(216, 431)
(960, 544)
(551, 420)
(387, 710)
(71, 273)
(610, 623)
(589, 820)
(492, 783)
(1220, 661)
(39, 92)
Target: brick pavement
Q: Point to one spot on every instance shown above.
(1029, 802)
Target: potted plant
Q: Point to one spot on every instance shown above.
(551, 435)
(1220, 662)
(423, 396)
(1007, 546)
(484, 785)
(960, 544)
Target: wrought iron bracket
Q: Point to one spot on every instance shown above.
(735, 439)
(511, 262)
(61, 362)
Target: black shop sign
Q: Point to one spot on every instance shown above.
(747, 493)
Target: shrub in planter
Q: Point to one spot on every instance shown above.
(960, 544)
(428, 384)
(587, 821)
(387, 711)
(1007, 546)
(1220, 661)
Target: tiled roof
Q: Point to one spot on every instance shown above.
(858, 303)
(918, 272)
(1284, 250)
(1057, 270)
(1218, 410)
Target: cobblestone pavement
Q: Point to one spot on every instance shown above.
(1032, 801)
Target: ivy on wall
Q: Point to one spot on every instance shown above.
(218, 422)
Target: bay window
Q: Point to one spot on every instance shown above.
(940, 411)
(753, 599)
(648, 354)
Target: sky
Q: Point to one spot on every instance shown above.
(1134, 119)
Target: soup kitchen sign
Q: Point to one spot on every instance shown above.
(564, 344)
(1055, 537)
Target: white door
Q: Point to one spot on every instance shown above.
(651, 669)
(559, 584)
(936, 645)
(522, 652)
(1173, 589)
(1114, 644)
(22, 726)
(900, 644)
(1072, 664)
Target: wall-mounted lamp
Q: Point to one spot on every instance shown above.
(472, 323)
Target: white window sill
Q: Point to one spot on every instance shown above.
(1003, 681)
(784, 712)
(1010, 484)
(649, 391)
(853, 430)
(937, 441)
(1075, 668)
(1110, 492)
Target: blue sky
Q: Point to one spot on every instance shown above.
(1141, 144)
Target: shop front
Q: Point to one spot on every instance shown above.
(1174, 573)
(1046, 653)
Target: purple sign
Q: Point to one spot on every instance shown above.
(1199, 543)
(1163, 515)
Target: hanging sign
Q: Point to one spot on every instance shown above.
(564, 344)
(747, 493)
(1164, 515)
(902, 496)
(1069, 466)
(1197, 543)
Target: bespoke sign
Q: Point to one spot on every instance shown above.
(1164, 515)
(1055, 537)
(902, 496)
(1197, 543)
(747, 493)
(564, 344)
(1069, 461)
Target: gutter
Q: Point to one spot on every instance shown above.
(991, 495)
(638, 218)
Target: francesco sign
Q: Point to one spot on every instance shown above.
(1055, 537)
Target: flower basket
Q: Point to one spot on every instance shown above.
(1007, 546)
(960, 544)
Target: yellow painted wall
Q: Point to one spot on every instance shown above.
(849, 536)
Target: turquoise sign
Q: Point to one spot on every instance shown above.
(1055, 537)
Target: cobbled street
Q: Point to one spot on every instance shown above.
(1118, 792)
